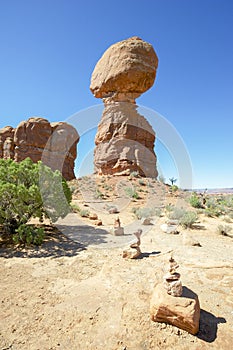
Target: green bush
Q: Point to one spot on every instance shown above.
(131, 192)
(28, 234)
(188, 219)
(176, 213)
(84, 213)
(169, 207)
(141, 182)
(134, 174)
(143, 212)
(174, 188)
(75, 208)
(29, 190)
(195, 201)
(98, 194)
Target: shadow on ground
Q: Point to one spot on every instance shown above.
(57, 244)
(87, 235)
(209, 326)
(147, 255)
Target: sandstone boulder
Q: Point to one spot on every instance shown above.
(127, 67)
(6, 142)
(55, 144)
(61, 149)
(5, 132)
(182, 312)
(31, 138)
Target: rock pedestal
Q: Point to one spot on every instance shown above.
(124, 139)
(182, 312)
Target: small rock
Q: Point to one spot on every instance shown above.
(131, 253)
(98, 223)
(93, 216)
(118, 231)
(173, 222)
(113, 210)
(172, 229)
(146, 221)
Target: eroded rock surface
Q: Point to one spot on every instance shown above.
(124, 140)
(53, 143)
(127, 67)
(182, 312)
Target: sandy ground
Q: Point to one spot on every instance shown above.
(77, 292)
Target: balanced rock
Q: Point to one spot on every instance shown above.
(182, 312)
(124, 140)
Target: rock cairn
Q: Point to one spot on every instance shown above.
(117, 230)
(172, 282)
(174, 304)
(124, 140)
(53, 143)
(134, 250)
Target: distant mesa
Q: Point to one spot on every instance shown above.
(53, 143)
(124, 139)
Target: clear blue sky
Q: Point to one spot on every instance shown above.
(50, 47)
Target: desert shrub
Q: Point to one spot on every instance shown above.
(215, 207)
(107, 187)
(75, 208)
(169, 207)
(29, 190)
(146, 212)
(84, 213)
(212, 212)
(134, 174)
(224, 230)
(176, 213)
(143, 212)
(131, 192)
(195, 201)
(174, 188)
(99, 194)
(229, 201)
(188, 219)
(141, 182)
(28, 234)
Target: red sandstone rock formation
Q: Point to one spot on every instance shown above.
(6, 142)
(55, 144)
(124, 140)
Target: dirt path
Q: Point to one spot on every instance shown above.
(95, 299)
